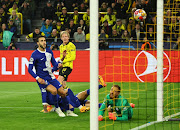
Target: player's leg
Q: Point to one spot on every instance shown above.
(84, 94)
(51, 88)
(63, 75)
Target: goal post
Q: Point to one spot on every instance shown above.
(94, 65)
(160, 30)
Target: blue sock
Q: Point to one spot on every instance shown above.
(65, 103)
(88, 91)
(100, 86)
(55, 99)
(100, 105)
(72, 109)
(73, 98)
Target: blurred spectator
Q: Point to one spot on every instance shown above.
(130, 25)
(168, 16)
(3, 28)
(174, 28)
(79, 36)
(48, 12)
(54, 36)
(6, 2)
(103, 38)
(54, 46)
(83, 26)
(26, 12)
(14, 7)
(76, 16)
(58, 7)
(72, 28)
(17, 21)
(119, 26)
(82, 7)
(56, 2)
(34, 34)
(121, 7)
(115, 37)
(11, 27)
(103, 7)
(101, 19)
(5, 7)
(106, 27)
(113, 7)
(58, 27)
(64, 17)
(150, 34)
(86, 17)
(125, 37)
(32, 6)
(70, 4)
(12, 46)
(137, 33)
(46, 28)
(177, 44)
(3, 16)
(110, 17)
(18, 2)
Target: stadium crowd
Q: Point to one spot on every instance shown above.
(116, 20)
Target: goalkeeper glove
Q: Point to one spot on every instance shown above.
(100, 118)
(112, 117)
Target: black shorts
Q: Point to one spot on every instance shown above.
(65, 71)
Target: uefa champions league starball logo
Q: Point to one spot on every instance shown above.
(145, 64)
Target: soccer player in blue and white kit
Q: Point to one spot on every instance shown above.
(41, 59)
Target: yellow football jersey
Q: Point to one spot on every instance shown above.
(70, 54)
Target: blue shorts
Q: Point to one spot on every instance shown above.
(53, 82)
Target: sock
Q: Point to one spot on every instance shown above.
(65, 103)
(72, 109)
(80, 107)
(73, 98)
(44, 95)
(55, 99)
(88, 91)
(100, 105)
(100, 86)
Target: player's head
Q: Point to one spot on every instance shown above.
(115, 91)
(65, 37)
(41, 42)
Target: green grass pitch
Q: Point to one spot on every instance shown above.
(20, 106)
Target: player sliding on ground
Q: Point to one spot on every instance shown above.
(41, 59)
(78, 100)
(118, 107)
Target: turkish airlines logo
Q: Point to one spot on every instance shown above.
(145, 65)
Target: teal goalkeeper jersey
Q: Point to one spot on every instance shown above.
(119, 105)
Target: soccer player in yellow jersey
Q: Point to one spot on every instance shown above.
(70, 49)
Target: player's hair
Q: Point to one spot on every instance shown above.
(64, 32)
(39, 36)
(117, 86)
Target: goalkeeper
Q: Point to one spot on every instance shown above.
(118, 107)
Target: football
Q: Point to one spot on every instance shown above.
(140, 15)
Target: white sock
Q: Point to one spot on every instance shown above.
(80, 106)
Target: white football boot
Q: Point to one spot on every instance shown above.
(71, 113)
(59, 112)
